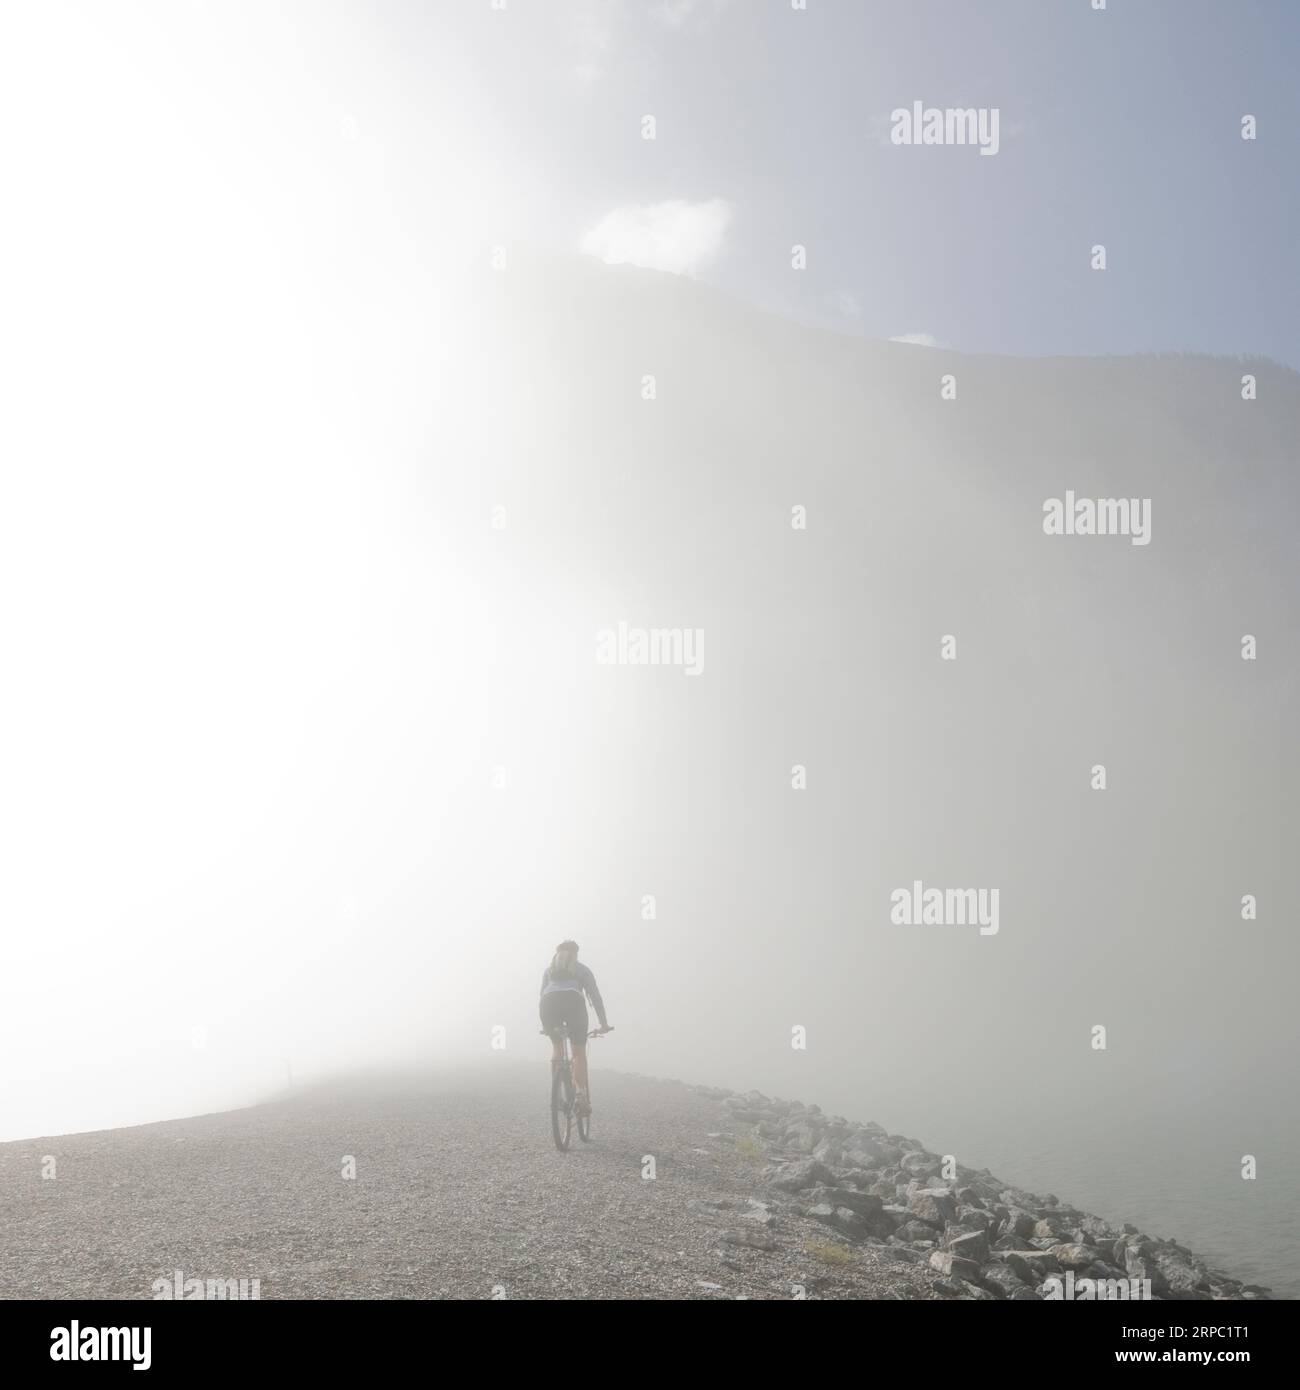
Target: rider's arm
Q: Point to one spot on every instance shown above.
(589, 984)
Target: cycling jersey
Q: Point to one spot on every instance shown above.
(581, 980)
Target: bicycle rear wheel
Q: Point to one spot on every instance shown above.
(562, 1106)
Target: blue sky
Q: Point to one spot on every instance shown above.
(1119, 127)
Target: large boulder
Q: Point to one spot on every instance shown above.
(864, 1203)
(973, 1245)
(975, 1219)
(830, 1153)
(801, 1174)
(1002, 1280)
(1033, 1266)
(802, 1137)
(935, 1206)
(841, 1219)
(1019, 1224)
(1138, 1265)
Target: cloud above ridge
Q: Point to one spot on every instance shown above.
(676, 236)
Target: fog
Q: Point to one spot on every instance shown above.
(312, 517)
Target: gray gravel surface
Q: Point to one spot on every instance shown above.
(459, 1193)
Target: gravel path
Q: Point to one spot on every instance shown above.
(458, 1193)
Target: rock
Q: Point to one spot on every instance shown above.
(841, 1218)
(954, 1266)
(1075, 1256)
(861, 1150)
(861, 1178)
(920, 1162)
(861, 1202)
(1002, 1279)
(754, 1240)
(1050, 1226)
(1019, 1224)
(933, 1206)
(972, 1245)
(1139, 1266)
(758, 1212)
(830, 1153)
(1181, 1269)
(803, 1173)
(1033, 1266)
(802, 1137)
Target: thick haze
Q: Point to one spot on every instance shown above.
(311, 517)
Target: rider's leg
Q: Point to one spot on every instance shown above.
(580, 1067)
(557, 1052)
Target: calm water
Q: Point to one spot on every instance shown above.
(1171, 1166)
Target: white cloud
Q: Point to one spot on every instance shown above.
(676, 235)
(918, 340)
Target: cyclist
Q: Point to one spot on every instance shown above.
(564, 982)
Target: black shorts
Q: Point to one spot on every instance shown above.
(565, 1006)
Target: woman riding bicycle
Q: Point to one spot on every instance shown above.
(564, 982)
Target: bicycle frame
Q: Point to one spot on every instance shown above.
(564, 1095)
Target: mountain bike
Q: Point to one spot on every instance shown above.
(564, 1095)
